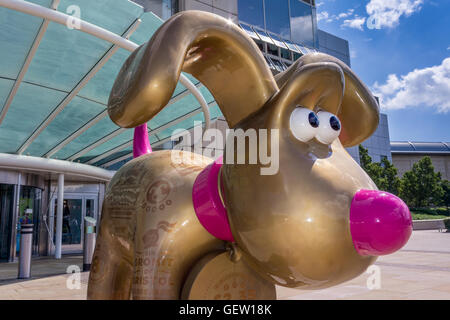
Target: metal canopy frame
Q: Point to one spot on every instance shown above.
(26, 65)
(51, 14)
(150, 132)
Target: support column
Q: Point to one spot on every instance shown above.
(15, 219)
(59, 216)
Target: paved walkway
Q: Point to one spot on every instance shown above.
(40, 267)
(420, 271)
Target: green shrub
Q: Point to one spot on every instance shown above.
(441, 211)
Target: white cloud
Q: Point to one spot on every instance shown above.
(428, 87)
(322, 15)
(387, 13)
(345, 14)
(356, 23)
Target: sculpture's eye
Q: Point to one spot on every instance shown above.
(304, 124)
(329, 127)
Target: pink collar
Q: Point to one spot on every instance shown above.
(208, 204)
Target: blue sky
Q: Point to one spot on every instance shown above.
(401, 50)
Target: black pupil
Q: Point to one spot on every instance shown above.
(334, 123)
(313, 120)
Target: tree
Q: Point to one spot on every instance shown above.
(389, 181)
(421, 186)
(364, 157)
(445, 184)
(373, 169)
(383, 174)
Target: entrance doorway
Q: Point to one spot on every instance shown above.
(6, 214)
(75, 208)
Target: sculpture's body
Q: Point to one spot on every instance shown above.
(318, 222)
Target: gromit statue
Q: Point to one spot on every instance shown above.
(204, 229)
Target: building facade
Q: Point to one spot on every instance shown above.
(405, 154)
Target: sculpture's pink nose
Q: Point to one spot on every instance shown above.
(380, 223)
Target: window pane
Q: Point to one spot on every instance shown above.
(277, 17)
(315, 32)
(249, 31)
(251, 11)
(301, 23)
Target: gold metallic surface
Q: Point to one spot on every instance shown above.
(211, 48)
(291, 228)
(295, 230)
(149, 234)
(359, 111)
(216, 277)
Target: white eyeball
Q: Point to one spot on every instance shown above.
(329, 127)
(304, 124)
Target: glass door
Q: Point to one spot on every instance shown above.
(75, 208)
(6, 213)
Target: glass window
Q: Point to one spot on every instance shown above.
(277, 40)
(249, 31)
(264, 36)
(252, 12)
(301, 23)
(277, 17)
(285, 54)
(278, 65)
(260, 45)
(297, 56)
(6, 213)
(272, 49)
(291, 46)
(29, 211)
(270, 63)
(315, 32)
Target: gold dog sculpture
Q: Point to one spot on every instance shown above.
(317, 222)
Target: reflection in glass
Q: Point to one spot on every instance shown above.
(264, 36)
(6, 213)
(272, 49)
(29, 211)
(285, 54)
(277, 17)
(249, 31)
(90, 208)
(315, 32)
(71, 229)
(277, 40)
(301, 23)
(252, 12)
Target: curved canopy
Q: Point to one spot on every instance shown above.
(55, 82)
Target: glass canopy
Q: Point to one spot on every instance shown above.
(82, 131)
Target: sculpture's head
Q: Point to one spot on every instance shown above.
(319, 220)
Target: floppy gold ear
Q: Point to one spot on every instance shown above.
(214, 50)
(359, 112)
(316, 85)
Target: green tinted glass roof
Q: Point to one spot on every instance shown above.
(81, 131)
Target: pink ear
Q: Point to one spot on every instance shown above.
(207, 203)
(141, 143)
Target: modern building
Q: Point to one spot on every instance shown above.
(58, 147)
(406, 153)
(56, 139)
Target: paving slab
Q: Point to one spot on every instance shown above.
(420, 271)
